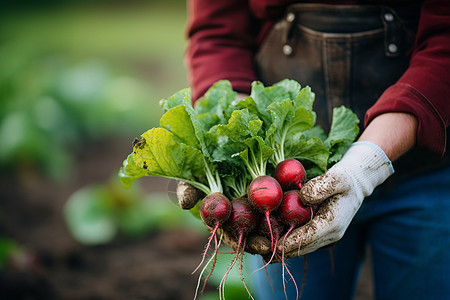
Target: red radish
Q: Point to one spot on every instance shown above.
(293, 213)
(291, 174)
(214, 210)
(242, 221)
(265, 193)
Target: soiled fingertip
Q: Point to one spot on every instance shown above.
(187, 195)
(257, 244)
(320, 188)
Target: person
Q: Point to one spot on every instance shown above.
(389, 61)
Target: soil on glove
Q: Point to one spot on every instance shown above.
(55, 266)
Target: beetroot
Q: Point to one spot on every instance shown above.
(242, 221)
(214, 210)
(292, 212)
(265, 193)
(291, 174)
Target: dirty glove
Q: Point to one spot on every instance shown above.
(255, 244)
(188, 196)
(340, 192)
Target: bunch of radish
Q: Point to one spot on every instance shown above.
(273, 200)
(250, 157)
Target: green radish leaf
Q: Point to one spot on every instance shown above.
(255, 157)
(175, 100)
(217, 100)
(198, 125)
(159, 154)
(177, 121)
(344, 130)
(208, 120)
(241, 126)
(287, 121)
(305, 98)
(311, 150)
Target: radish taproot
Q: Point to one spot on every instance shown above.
(265, 194)
(242, 221)
(264, 228)
(214, 210)
(293, 213)
(291, 174)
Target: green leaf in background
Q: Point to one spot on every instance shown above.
(96, 213)
(8, 248)
(234, 288)
(88, 217)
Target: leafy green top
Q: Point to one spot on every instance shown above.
(230, 141)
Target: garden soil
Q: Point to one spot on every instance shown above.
(54, 266)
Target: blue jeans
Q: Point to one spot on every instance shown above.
(408, 232)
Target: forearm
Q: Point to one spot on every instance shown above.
(395, 133)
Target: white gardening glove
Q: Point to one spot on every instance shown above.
(340, 192)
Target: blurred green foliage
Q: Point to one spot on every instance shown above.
(234, 286)
(77, 72)
(97, 213)
(8, 248)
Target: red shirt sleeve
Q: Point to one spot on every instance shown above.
(221, 44)
(424, 89)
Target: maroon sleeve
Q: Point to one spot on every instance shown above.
(221, 44)
(424, 89)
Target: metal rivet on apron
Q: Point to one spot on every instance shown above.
(287, 49)
(392, 48)
(389, 17)
(290, 17)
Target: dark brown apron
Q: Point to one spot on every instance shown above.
(348, 55)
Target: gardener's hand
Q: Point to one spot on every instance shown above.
(255, 243)
(339, 192)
